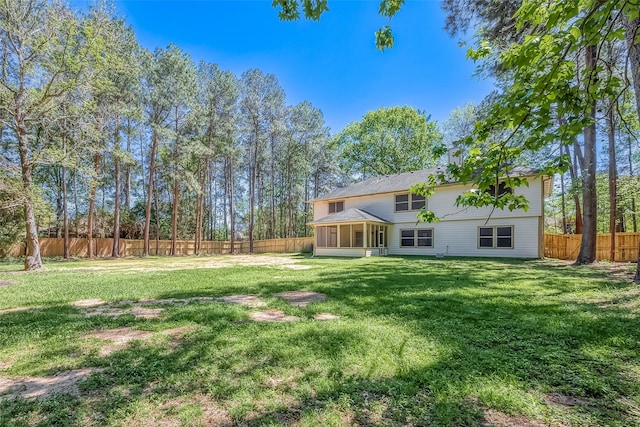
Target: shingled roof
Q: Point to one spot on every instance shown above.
(399, 182)
(350, 215)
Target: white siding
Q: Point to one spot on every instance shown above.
(457, 232)
(460, 238)
(320, 210)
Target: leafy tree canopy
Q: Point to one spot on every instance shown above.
(388, 141)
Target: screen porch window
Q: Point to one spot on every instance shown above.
(327, 236)
(417, 238)
(336, 206)
(500, 237)
(409, 201)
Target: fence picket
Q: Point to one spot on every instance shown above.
(567, 246)
(50, 247)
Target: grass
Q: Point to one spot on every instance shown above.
(451, 342)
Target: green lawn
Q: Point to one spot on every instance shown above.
(452, 342)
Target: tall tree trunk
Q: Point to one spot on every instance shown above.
(613, 182)
(564, 205)
(59, 214)
(75, 202)
(115, 252)
(587, 253)
(33, 260)
(226, 199)
(127, 171)
(65, 205)
(213, 207)
(272, 196)
(634, 214)
(633, 46)
(573, 173)
(92, 204)
(200, 207)
(147, 212)
(306, 205)
(213, 204)
(252, 195)
(156, 200)
(176, 190)
(232, 209)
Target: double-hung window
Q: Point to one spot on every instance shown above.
(417, 237)
(500, 237)
(336, 206)
(409, 201)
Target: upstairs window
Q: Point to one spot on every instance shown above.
(402, 202)
(418, 202)
(501, 191)
(408, 201)
(336, 206)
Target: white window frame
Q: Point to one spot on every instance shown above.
(495, 237)
(416, 238)
(409, 202)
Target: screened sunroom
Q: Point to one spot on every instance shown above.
(352, 232)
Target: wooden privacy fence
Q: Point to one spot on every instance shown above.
(103, 247)
(567, 246)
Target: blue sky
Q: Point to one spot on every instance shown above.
(332, 63)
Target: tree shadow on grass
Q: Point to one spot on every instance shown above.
(420, 344)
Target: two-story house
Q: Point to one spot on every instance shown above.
(378, 217)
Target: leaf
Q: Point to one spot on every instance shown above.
(575, 33)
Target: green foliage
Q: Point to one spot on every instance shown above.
(387, 141)
(289, 9)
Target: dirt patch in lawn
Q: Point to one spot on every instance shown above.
(203, 411)
(301, 298)
(189, 263)
(88, 303)
(627, 300)
(500, 419)
(619, 270)
(119, 338)
(136, 311)
(248, 300)
(272, 315)
(325, 316)
(563, 400)
(6, 283)
(139, 309)
(43, 387)
(16, 310)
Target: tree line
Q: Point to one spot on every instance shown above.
(103, 137)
